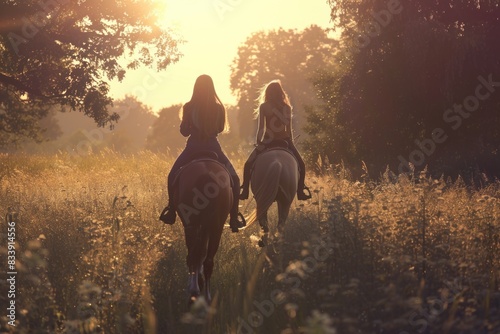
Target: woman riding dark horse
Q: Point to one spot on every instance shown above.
(275, 126)
(203, 118)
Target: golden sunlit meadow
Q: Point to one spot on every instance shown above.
(414, 256)
(90, 97)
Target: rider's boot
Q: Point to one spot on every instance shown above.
(168, 214)
(246, 182)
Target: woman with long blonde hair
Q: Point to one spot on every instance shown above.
(203, 118)
(274, 126)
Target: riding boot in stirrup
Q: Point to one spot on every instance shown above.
(301, 195)
(168, 215)
(246, 182)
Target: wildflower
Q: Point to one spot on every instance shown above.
(320, 323)
(291, 309)
(199, 312)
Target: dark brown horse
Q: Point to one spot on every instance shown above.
(203, 198)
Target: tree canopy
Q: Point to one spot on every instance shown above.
(289, 55)
(415, 84)
(165, 136)
(61, 52)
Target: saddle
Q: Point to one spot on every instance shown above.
(204, 155)
(197, 157)
(278, 144)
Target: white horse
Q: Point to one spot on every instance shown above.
(274, 178)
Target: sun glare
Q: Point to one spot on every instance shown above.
(213, 30)
(184, 12)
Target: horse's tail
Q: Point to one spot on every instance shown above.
(266, 192)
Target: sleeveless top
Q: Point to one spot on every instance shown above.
(277, 119)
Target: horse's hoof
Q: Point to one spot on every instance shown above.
(237, 222)
(244, 194)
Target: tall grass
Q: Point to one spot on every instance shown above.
(393, 256)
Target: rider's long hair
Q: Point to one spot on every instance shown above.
(207, 111)
(274, 93)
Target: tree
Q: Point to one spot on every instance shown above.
(289, 55)
(406, 90)
(61, 52)
(17, 120)
(165, 136)
(37, 126)
(76, 133)
(132, 129)
(50, 126)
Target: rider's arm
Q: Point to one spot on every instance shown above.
(261, 126)
(288, 127)
(186, 123)
(221, 119)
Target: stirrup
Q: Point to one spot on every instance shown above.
(237, 223)
(302, 196)
(168, 216)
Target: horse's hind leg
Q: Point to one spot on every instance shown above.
(195, 257)
(283, 210)
(208, 264)
(263, 222)
(264, 229)
(208, 267)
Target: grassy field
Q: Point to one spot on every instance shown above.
(379, 256)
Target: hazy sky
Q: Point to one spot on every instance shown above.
(213, 30)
